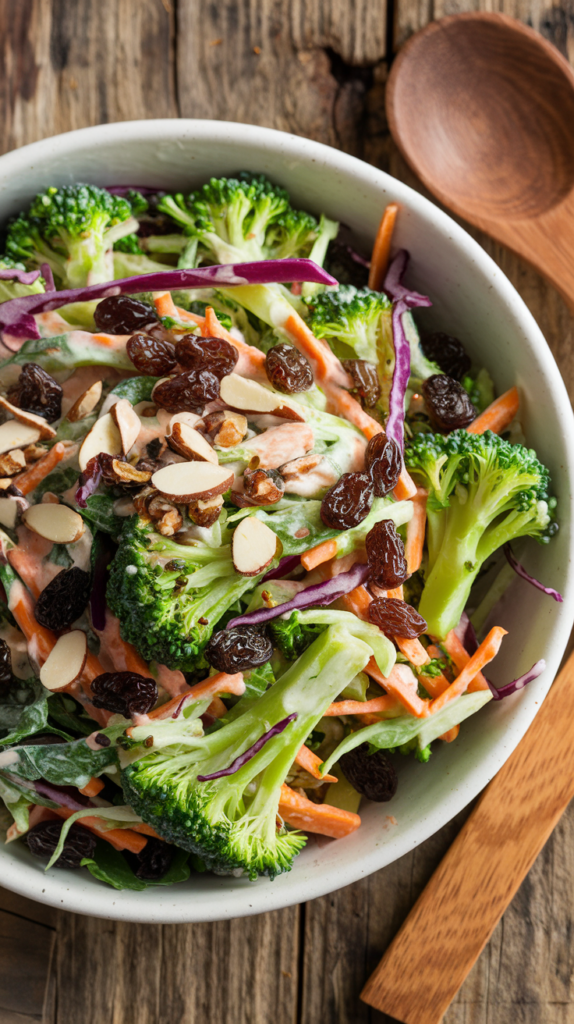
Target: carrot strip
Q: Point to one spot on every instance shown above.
(396, 594)
(192, 318)
(221, 682)
(120, 838)
(451, 735)
(487, 650)
(320, 553)
(30, 478)
(146, 830)
(164, 305)
(412, 649)
(316, 350)
(123, 655)
(302, 813)
(359, 707)
(39, 639)
(310, 762)
(251, 361)
(341, 403)
(217, 708)
(214, 329)
(461, 658)
(357, 601)
(416, 531)
(93, 787)
(406, 487)
(382, 247)
(498, 415)
(402, 684)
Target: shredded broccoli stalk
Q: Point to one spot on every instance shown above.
(231, 822)
(484, 492)
(15, 289)
(69, 351)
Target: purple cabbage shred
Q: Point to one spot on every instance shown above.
(500, 692)
(275, 730)
(521, 571)
(286, 565)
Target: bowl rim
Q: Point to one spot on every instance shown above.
(170, 905)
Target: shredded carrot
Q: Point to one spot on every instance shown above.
(412, 649)
(461, 658)
(300, 812)
(221, 682)
(39, 639)
(192, 318)
(120, 838)
(382, 247)
(416, 531)
(498, 415)
(357, 601)
(359, 707)
(217, 708)
(487, 650)
(30, 478)
(406, 487)
(310, 762)
(451, 735)
(320, 553)
(164, 305)
(396, 594)
(341, 403)
(123, 655)
(214, 329)
(434, 685)
(146, 830)
(93, 787)
(402, 684)
(317, 351)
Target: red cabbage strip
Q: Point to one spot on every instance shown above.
(521, 571)
(89, 482)
(286, 565)
(26, 277)
(46, 272)
(275, 730)
(466, 634)
(16, 314)
(65, 796)
(517, 684)
(319, 594)
(403, 301)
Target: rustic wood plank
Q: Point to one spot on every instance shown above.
(22, 907)
(25, 954)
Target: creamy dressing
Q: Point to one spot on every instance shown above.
(281, 444)
(16, 641)
(172, 680)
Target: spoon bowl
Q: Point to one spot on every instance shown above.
(482, 108)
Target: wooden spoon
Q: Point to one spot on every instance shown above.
(482, 108)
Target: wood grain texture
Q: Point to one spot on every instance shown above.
(321, 72)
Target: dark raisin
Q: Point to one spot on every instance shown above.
(188, 391)
(64, 599)
(42, 739)
(154, 448)
(373, 775)
(37, 392)
(365, 378)
(396, 618)
(43, 839)
(236, 650)
(215, 354)
(263, 486)
(447, 352)
(151, 356)
(447, 403)
(288, 370)
(124, 693)
(384, 462)
(347, 502)
(154, 860)
(120, 314)
(386, 555)
(5, 667)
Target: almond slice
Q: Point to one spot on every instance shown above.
(86, 403)
(29, 419)
(191, 444)
(9, 511)
(192, 481)
(65, 661)
(248, 396)
(16, 435)
(128, 423)
(103, 437)
(253, 546)
(57, 523)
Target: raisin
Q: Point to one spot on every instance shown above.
(37, 392)
(215, 354)
(151, 356)
(447, 352)
(124, 693)
(365, 378)
(42, 739)
(64, 599)
(288, 370)
(43, 839)
(236, 650)
(373, 775)
(347, 502)
(263, 486)
(5, 668)
(396, 618)
(188, 391)
(447, 403)
(120, 314)
(386, 555)
(384, 462)
(154, 861)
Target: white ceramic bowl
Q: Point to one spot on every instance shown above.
(472, 299)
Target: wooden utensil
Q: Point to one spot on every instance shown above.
(482, 108)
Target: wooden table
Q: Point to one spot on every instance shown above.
(316, 68)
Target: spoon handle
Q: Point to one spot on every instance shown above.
(453, 919)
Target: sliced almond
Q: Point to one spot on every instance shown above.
(8, 511)
(103, 437)
(12, 462)
(29, 418)
(191, 444)
(86, 403)
(128, 423)
(253, 546)
(57, 523)
(14, 434)
(65, 661)
(192, 481)
(248, 396)
(190, 418)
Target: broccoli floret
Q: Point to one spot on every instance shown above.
(291, 636)
(161, 592)
(231, 822)
(13, 289)
(483, 492)
(73, 229)
(356, 322)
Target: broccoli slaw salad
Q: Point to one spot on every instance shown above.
(254, 529)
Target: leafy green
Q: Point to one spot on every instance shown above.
(64, 764)
(110, 866)
(135, 389)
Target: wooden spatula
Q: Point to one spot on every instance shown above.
(452, 921)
